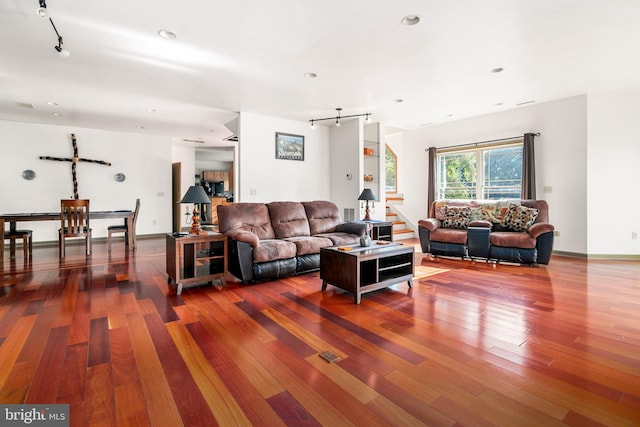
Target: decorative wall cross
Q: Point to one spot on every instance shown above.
(74, 162)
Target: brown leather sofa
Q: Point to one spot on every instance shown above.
(278, 239)
(511, 230)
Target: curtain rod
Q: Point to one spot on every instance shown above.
(482, 142)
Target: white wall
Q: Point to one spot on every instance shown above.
(145, 161)
(561, 160)
(612, 164)
(346, 165)
(263, 178)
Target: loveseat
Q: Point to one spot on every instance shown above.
(506, 230)
(272, 240)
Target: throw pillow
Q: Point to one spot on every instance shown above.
(440, 209)
(496, 211)
(456, 217)
(519, 218)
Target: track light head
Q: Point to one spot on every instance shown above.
(62, 52)
(42, 10)
(313, 125)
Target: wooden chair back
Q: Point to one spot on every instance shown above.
(74, 218)
(135, 214)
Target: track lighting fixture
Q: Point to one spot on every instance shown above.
(61, 51)
(339, 117)
(42, 10)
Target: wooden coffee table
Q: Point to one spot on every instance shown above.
(366, 269)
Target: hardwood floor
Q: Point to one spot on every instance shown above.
(471, 344)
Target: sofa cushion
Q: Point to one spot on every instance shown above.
(288, 219)
(252, 217)
(323, 216)
(456, 217)
(273, 249)
(309, 244)
(449, 235)
(340, 239)
(511, 239)
(519, 218)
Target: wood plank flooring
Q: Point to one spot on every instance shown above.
(472, 344)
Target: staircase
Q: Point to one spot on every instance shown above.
(400, 230)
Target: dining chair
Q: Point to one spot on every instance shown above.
(27, 241)
(74, 223)
(122, 228)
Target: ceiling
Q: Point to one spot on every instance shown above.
(252, 56)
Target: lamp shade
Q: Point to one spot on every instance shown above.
(195, 194)
(367, 194)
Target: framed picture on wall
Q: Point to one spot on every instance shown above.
(289, 147)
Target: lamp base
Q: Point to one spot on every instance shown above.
(195, 225)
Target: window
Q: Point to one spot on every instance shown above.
(390, 169)
(493, 172)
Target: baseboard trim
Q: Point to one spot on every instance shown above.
(570, 254)
(612, 257)
(620, 257)
(81, 241)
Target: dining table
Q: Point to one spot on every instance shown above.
(14, 218)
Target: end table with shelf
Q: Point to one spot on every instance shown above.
(379, 230)
(196, 259)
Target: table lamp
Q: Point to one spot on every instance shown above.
(366, 196)
(196, 195)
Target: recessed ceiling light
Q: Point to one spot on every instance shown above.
(57, 114)
(166, 34)
(310, 75)
(140, 127)
(411, 20)
(399, 100)
(150, 110)
(449, 115)
(51, 103)
(497, 70)
(211, 130)
(497, 104)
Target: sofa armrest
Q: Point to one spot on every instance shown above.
(243, 236)
(480, 223)
(357, 228)
(430, 224)
(540, 228)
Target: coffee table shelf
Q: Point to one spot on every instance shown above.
(361, 270)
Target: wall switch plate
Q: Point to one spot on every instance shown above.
(547, 189)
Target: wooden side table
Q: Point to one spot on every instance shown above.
(380, 230)
(196, 259)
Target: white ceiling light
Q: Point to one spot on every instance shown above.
(166, 34)
(411, 20)
(310, 75)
